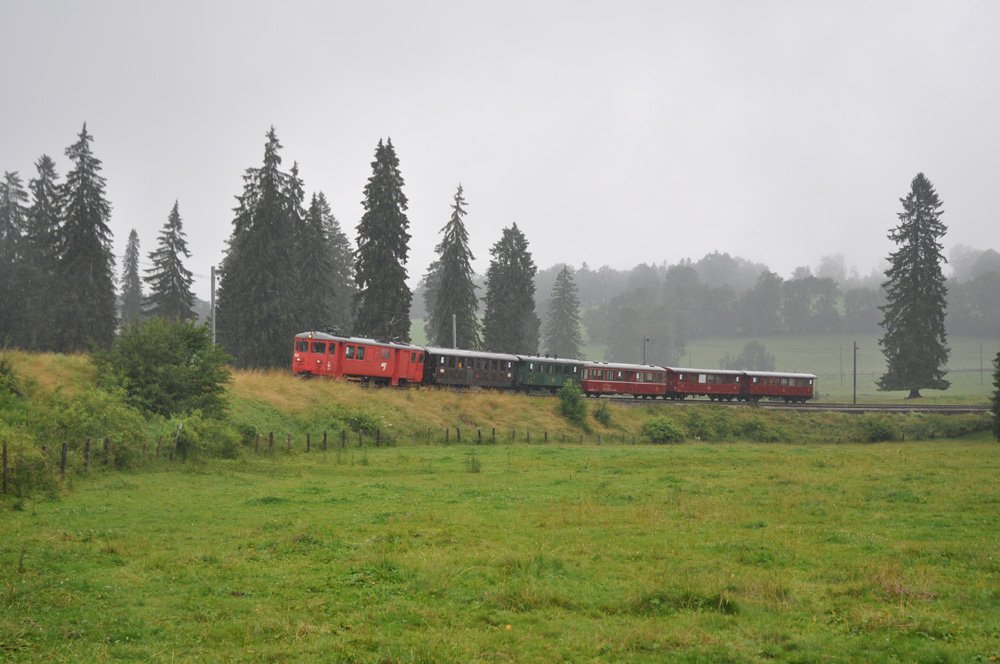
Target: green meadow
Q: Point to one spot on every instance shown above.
(512, 553)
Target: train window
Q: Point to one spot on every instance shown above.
(319, 347)
(386, 354)
(451, 362)
(413, 357)
(302, 346)
(531, 366)
(574, 369)
(701, 378)
(361, 353)
(442, 360)
(810, 381)
(784, 381)
(619, 375)
(349, 352)
(420, 358)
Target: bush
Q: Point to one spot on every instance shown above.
(195, 435)
(167, 367)
(571, 403)
(603, 414)
(663, 430)
(10, 384)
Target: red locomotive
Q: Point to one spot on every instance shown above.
(388, 363)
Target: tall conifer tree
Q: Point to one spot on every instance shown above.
(316, 265)
(383, 298)
(342, 289)
(510, 324)
(562, 326)
(86, 280)
(41, 257)
(131, 283)
(13, 212)
(257, 307)
(453, 290)
(913, 316)
(169, 281)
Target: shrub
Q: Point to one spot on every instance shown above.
(603, 414)
(10, 383)
(167, 367)
(194, 435)
(571, 403)
(663, 430)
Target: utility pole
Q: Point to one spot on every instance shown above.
(212, 305)
(454, 331)
(645, 340)
(855, 372)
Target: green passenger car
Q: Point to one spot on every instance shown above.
(546, 373)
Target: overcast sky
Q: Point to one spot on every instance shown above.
(612, 132)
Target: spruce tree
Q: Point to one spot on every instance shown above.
(510, 324)
(257, 308)
(450, 282)
(341, 290)
(383, 298)
(562, 325)
(913, 316)
(316, 265)
(131, 283)
(85, 276)
(13, 212)
(169, 281)
(41, 258)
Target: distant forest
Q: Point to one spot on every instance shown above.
(723, 295)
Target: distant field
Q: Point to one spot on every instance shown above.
(726, 552)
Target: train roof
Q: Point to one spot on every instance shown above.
(723, 372)
(619, 365)
(477, 354)
(325, 336)
(551, 360)
(780, 374)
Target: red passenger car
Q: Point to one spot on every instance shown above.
(321, 354)
(790, 387)
(639, 380)
(716, 384)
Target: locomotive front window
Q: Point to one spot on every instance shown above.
(319, 347)
(301, 346)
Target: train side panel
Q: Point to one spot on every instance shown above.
(638, 380)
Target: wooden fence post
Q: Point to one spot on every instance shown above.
(493, 435)
(62, 461)
(479, 436)
(527, 436)
(256, 443)
(446, 432)
(270, 443)
(308, 442)
(361, 440)
(458, 435)
(546, 435)
(324, 441)
(343, 437)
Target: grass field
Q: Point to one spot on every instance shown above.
(725, 552)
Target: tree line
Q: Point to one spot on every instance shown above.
(289, 267)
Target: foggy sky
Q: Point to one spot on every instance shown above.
(612, 133)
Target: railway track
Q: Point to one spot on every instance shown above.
(814, 406)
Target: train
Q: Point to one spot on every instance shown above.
(400, 364)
